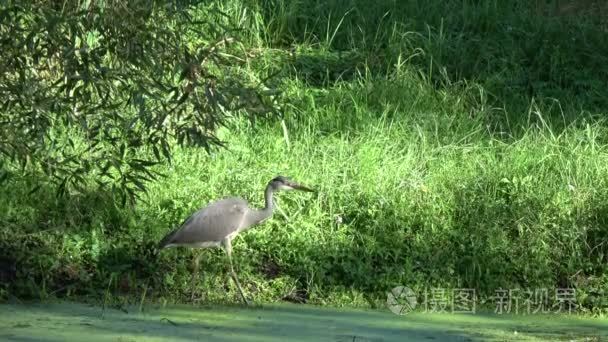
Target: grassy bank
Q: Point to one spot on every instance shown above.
(451, 144)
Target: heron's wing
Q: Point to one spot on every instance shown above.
(169, 237)
(210, 224)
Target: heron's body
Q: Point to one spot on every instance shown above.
(221, 221)
(208, 226)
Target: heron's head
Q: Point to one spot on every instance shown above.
(284, 183)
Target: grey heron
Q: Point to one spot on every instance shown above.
(217, 224)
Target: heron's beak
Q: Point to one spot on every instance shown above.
(300, 187)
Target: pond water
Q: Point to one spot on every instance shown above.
(67, 321)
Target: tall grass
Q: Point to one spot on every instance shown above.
(452, 143)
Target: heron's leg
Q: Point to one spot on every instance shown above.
(198, 253)
(228, 247)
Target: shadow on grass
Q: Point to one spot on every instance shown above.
(518, 51)
(41, 249)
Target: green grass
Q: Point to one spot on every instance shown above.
(447, 151)
(69, 321)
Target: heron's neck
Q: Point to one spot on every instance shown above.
(260, 215)
(269, 203)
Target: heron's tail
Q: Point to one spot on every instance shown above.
(166, 240)
(163, 244)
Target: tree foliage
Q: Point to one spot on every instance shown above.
(97, 90)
